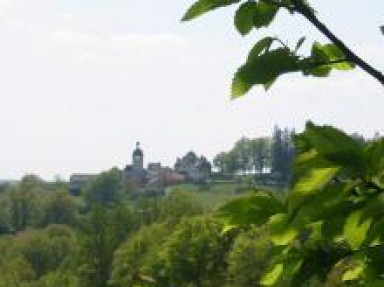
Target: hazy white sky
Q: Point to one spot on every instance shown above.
(82, 81)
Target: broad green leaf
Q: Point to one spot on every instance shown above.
(272, 276)
(334, 201)
(310, 183)
(336, 147)
(310, 66)
(264, 14)
(375, 236)
(255, 209)
(263, 69)
(239, 85)
(259, 47)
(244, 17)
(373, 210)
(326, 53)
(343, 66)
(353, 274)
(201, 7)
(323, 59)
(374, 156)
(356, 228)
(282, 232)
(320, 71)
(283, 269)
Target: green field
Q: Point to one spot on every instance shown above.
(212, 195)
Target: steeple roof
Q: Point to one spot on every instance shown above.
(137, 150)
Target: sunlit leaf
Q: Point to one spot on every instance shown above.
(310, 182)
(203, 6)
(271, 277)
(263, 69)
(282, 232)
(335, 146)
(282, 270)
(356, 228)
(353, 274)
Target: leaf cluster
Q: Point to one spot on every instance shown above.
(270, 57)
(333, 214)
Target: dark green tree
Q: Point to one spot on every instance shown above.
(248, 258)
(138, 261)
(95, 250)
(260, 154)
(105, 189)
(226, 162)
(58, 207)
(102, 232)
(195, 253)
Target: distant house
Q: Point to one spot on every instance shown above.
(195, 169)
(77, 181)
(153, 171)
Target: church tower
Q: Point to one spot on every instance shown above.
(138, 158)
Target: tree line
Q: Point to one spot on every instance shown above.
(261, 155)
(50, 238)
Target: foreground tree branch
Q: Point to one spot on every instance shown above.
(350, 55)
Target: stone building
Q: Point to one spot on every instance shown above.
(195, 169)
(135, 172)
(77, 181)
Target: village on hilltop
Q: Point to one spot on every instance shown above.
(155, 178)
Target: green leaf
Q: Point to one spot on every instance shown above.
(282, 232)
(356, 228)
(264, 14)
(244, 17)
(262, 70)
(374, 157)
(326, 53)
(259, 47)
(336, 147)
(269, 84)
(282, 270)
(203, 6)
(320, 71)
(326, 57)
(313, 180)
(375, 236)
(343, 66)
(353, 274)
(255, 209)
(272, 276)
(334, 202)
